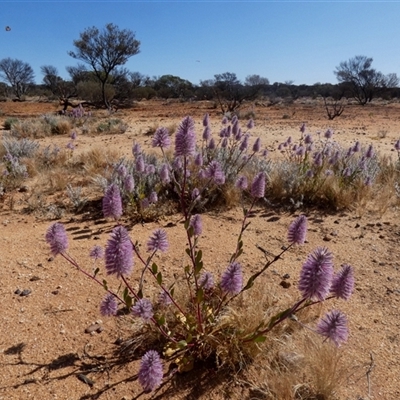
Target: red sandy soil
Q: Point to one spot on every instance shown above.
(43, 344)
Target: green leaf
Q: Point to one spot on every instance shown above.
(199, 255)
(160, 320)
(259, 339)
(182, 344)
(105, 284)
(188, 252)
(96, 271)
(159, 278)
(171, 292)
(154, 268)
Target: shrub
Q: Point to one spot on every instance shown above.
(9, 122)
(198, 316)
(112, 126)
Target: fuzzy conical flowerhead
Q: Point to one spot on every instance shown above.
(139, 164)
(334, 327)
(161, 138)
(153, 198)
(112, 202)
(206, 120)
(164, 298)
(195, 223)
(206, 133)
(250, 124)
(56, 237)
(143, 309)
(316, 275)
(343, 282)
(258, 185)
(397, 145)
(257, 145)
(109, 306)
(298, 230)
(129, 184)
(158, 241)
(185, 138)
(119, 252)
(232, 278)
(151, 371)
(214, 171)
(97, 252)
(164, 174)
(206, 281)
(241, 182)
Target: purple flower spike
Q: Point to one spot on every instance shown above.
(397, 145)
(151, 371)
(198, 159)
(185, 138)
(241, 183)
(164, 299)
(303, 128)
(139, 164)
(370, 152)
(97, 252)
(250, 124)
(161, 138)
(195, 223)
(56, 237)
(328, 134)
(206, 133)
(232, 278)
(316, 275)
(153, 198)
(211, 144)
(298, 230)
(119, 252)
(258, 185)
(73, 135)
(214, 171)
(158, 241)
(343, 282)
(149, 169)
(206, 120)
(357, 147)
(257, 145)
(196, 194)
(206, 281)
(244, 144)
(224, 121)
(112, 203)
(109, 306)
(121, 170)
(164, 174)
(129, 184)
(143, 309)
(308, 139)
(334, 327)
(136, 150)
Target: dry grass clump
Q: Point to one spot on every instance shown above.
(30, 128)
(298, 367)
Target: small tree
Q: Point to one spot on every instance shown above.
(18, 74)
(104, 51)
(362, 81)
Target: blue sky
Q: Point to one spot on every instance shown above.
(302, 41)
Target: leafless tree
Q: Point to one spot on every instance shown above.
(362, 81)
(18, 74)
